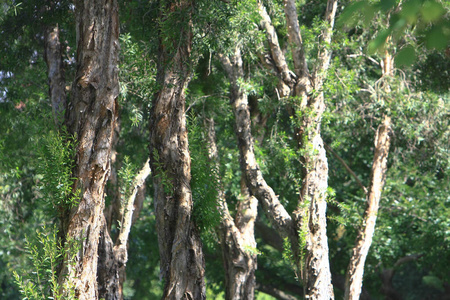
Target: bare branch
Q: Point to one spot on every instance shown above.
(120, 248)
(350, 171)
(274, 292)
(277, 54)
(324, 55)
(250, 168)
(295, 39)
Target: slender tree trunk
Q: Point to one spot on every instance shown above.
(55, 71)
(355, 270)
(113, 257)
(364, 240)
(181, 255)
(91, 116)
(310, 217)
(236, 237)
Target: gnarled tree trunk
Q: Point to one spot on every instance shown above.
(91, 116)
(180, 248)
(310, 217)
(236, 237)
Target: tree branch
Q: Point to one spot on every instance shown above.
(120, 247)
(350, 171)
(274, 292)
(363, 242)
(277, 54)
(324, 54)
(295, 39)
(259, 188)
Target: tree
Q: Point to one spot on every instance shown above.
(180, 248)
(309, 219)
(232, 79)
(237, 237)
(90, 117)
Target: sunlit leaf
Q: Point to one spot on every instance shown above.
(410, 10)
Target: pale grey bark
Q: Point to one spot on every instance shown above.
(259, 188)
(310, 217)
(355, 270)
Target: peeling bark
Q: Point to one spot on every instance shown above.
(236, 236)
(310, 217)
(91, 116)
(259, 188)
(181, 256)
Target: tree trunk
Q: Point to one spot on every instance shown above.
(91, 116)
(364, 240)
(237, 237)
(310, 217)
(55, 71)
(113, 257)
(181, 255)
(355, 270)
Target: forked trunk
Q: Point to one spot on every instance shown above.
(237, 237)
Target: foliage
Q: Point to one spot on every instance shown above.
(204, 182)
(45, 255)
(414, 212)
(56, 162)
(429, 19)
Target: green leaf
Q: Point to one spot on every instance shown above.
(348, 15)
(432, 11)
(434, 282)
(435, 38)
(410, 10)
(378, 43)
(406, 56)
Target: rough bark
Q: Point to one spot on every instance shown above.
(91, 116)
(108, 268)
(55, 72)
(364, 240)
(259, 188)
(310, 217)
(181, 257)
(113, 257)
(236, 236)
